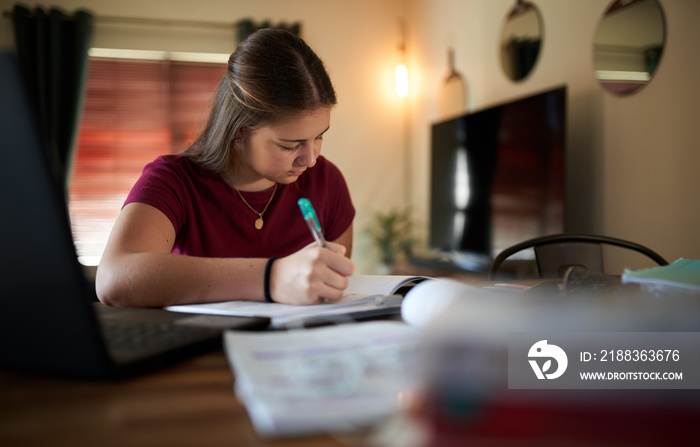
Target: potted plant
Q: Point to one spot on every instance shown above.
(391, 235)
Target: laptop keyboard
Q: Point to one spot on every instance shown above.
(144, 337)
(135, 334)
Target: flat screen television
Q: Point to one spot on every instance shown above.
(498, 176)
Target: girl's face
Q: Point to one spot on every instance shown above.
(281, 152)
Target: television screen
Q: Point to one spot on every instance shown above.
(497, 175)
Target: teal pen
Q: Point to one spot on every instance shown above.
(312, 221)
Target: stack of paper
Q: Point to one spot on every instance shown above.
(329, 379)
(684, 274)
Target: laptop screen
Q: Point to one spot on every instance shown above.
(45, 306)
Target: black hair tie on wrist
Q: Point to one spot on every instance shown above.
(268, 268)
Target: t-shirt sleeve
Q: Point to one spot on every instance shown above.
(161, 186)
(340, 211)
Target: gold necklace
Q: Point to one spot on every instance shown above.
(259, 221)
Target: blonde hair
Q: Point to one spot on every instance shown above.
(273, 74)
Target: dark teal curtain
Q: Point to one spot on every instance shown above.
(652, 56)
(52, 48)
(246, 27)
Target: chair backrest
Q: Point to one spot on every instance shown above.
(555, 254)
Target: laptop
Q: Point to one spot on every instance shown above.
(50, 321)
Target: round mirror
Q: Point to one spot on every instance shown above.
(520, 40)
(628, 45)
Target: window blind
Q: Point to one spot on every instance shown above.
(133, 112)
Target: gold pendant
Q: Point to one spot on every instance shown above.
(259, 223)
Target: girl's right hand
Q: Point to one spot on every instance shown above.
(311, 276)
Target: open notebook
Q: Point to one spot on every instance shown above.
(49, 322)
(366, 296)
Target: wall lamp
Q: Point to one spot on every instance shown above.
(401, 71)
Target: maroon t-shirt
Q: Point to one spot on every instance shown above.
(211, 220)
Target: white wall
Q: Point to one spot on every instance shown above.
(632, 161)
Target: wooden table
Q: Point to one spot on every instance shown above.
(190, 404)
